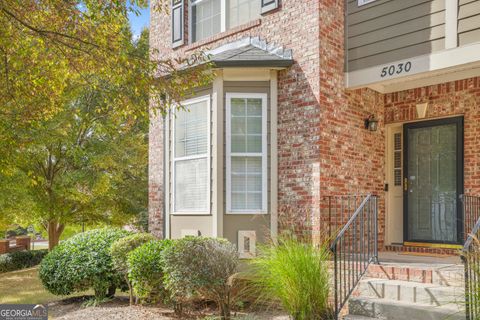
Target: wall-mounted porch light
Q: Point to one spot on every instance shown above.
(371, 123)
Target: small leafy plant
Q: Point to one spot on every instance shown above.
(83, 262)
(146, 270)
(294, 274)
(201, 267)
(120, 250)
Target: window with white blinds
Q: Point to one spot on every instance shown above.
(246, 156)
(242, 11)
(206, 18)
(191, 187)
(209, 17)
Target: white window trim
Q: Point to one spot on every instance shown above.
(229, 154)
(185, 104)
(364, 2)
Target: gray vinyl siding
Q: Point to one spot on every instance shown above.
(468, 21)
(232, 223)
(196, 222)
(388, 30)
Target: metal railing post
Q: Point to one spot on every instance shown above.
(375, 232)
(335, 278)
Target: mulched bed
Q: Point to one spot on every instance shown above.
(119, 308)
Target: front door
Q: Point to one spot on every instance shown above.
(433, 181)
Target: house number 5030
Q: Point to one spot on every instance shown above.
(396, 69)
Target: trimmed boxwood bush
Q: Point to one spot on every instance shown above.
(21, 260)
(120, 250)
(145, 270)
(83, 262)
(201, 267)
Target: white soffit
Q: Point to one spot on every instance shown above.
(446, 65)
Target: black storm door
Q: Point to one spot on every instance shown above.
(433, 180)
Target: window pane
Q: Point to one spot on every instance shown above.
(206, 18)
(191, 130)
(254, 107)
(254, 143)
(238, 107)
(254, 164)
(254, 201)
(191, 185)
(242, 11)
(239, 143)
(239, 201)
(254, 125)
(238, 125)
(254, 183)
(246, 180)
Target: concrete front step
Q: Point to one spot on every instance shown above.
(410, 292)
(399, 310)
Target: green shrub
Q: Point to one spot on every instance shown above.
(120, 250)
(83, 262)
(21, 259)
(296, 275)
(145, 270)
(201, 267)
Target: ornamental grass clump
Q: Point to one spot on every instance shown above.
(120, 250)
(199, 267)
(83, 262)
(296, 276)
(146, 270)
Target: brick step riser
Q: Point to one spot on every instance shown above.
(444, 278)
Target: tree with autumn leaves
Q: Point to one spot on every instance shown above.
(75, 91)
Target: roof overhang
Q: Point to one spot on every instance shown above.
(250, 52)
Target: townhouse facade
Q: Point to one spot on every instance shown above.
(314, 99)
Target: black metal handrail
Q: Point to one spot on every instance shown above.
(337, 210)
(354, 248)
(471, 255)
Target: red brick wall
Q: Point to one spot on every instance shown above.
(295, 26)
(155, 177)
(447, 99)
(352, 158)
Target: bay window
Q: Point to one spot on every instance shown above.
(191, 157)
(246, 154)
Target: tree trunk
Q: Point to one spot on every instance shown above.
(130, 289)
(55, 230)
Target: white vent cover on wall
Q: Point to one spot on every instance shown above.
(364, 2)
(189, 233)
(246, 244)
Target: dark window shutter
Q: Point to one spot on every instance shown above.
(177, 23)
(269, 5)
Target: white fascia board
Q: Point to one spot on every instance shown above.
(421, 66)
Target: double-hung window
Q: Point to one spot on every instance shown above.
(246, 154)
(209, 17)
(191, 157)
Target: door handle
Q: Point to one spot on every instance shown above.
(405, 184)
